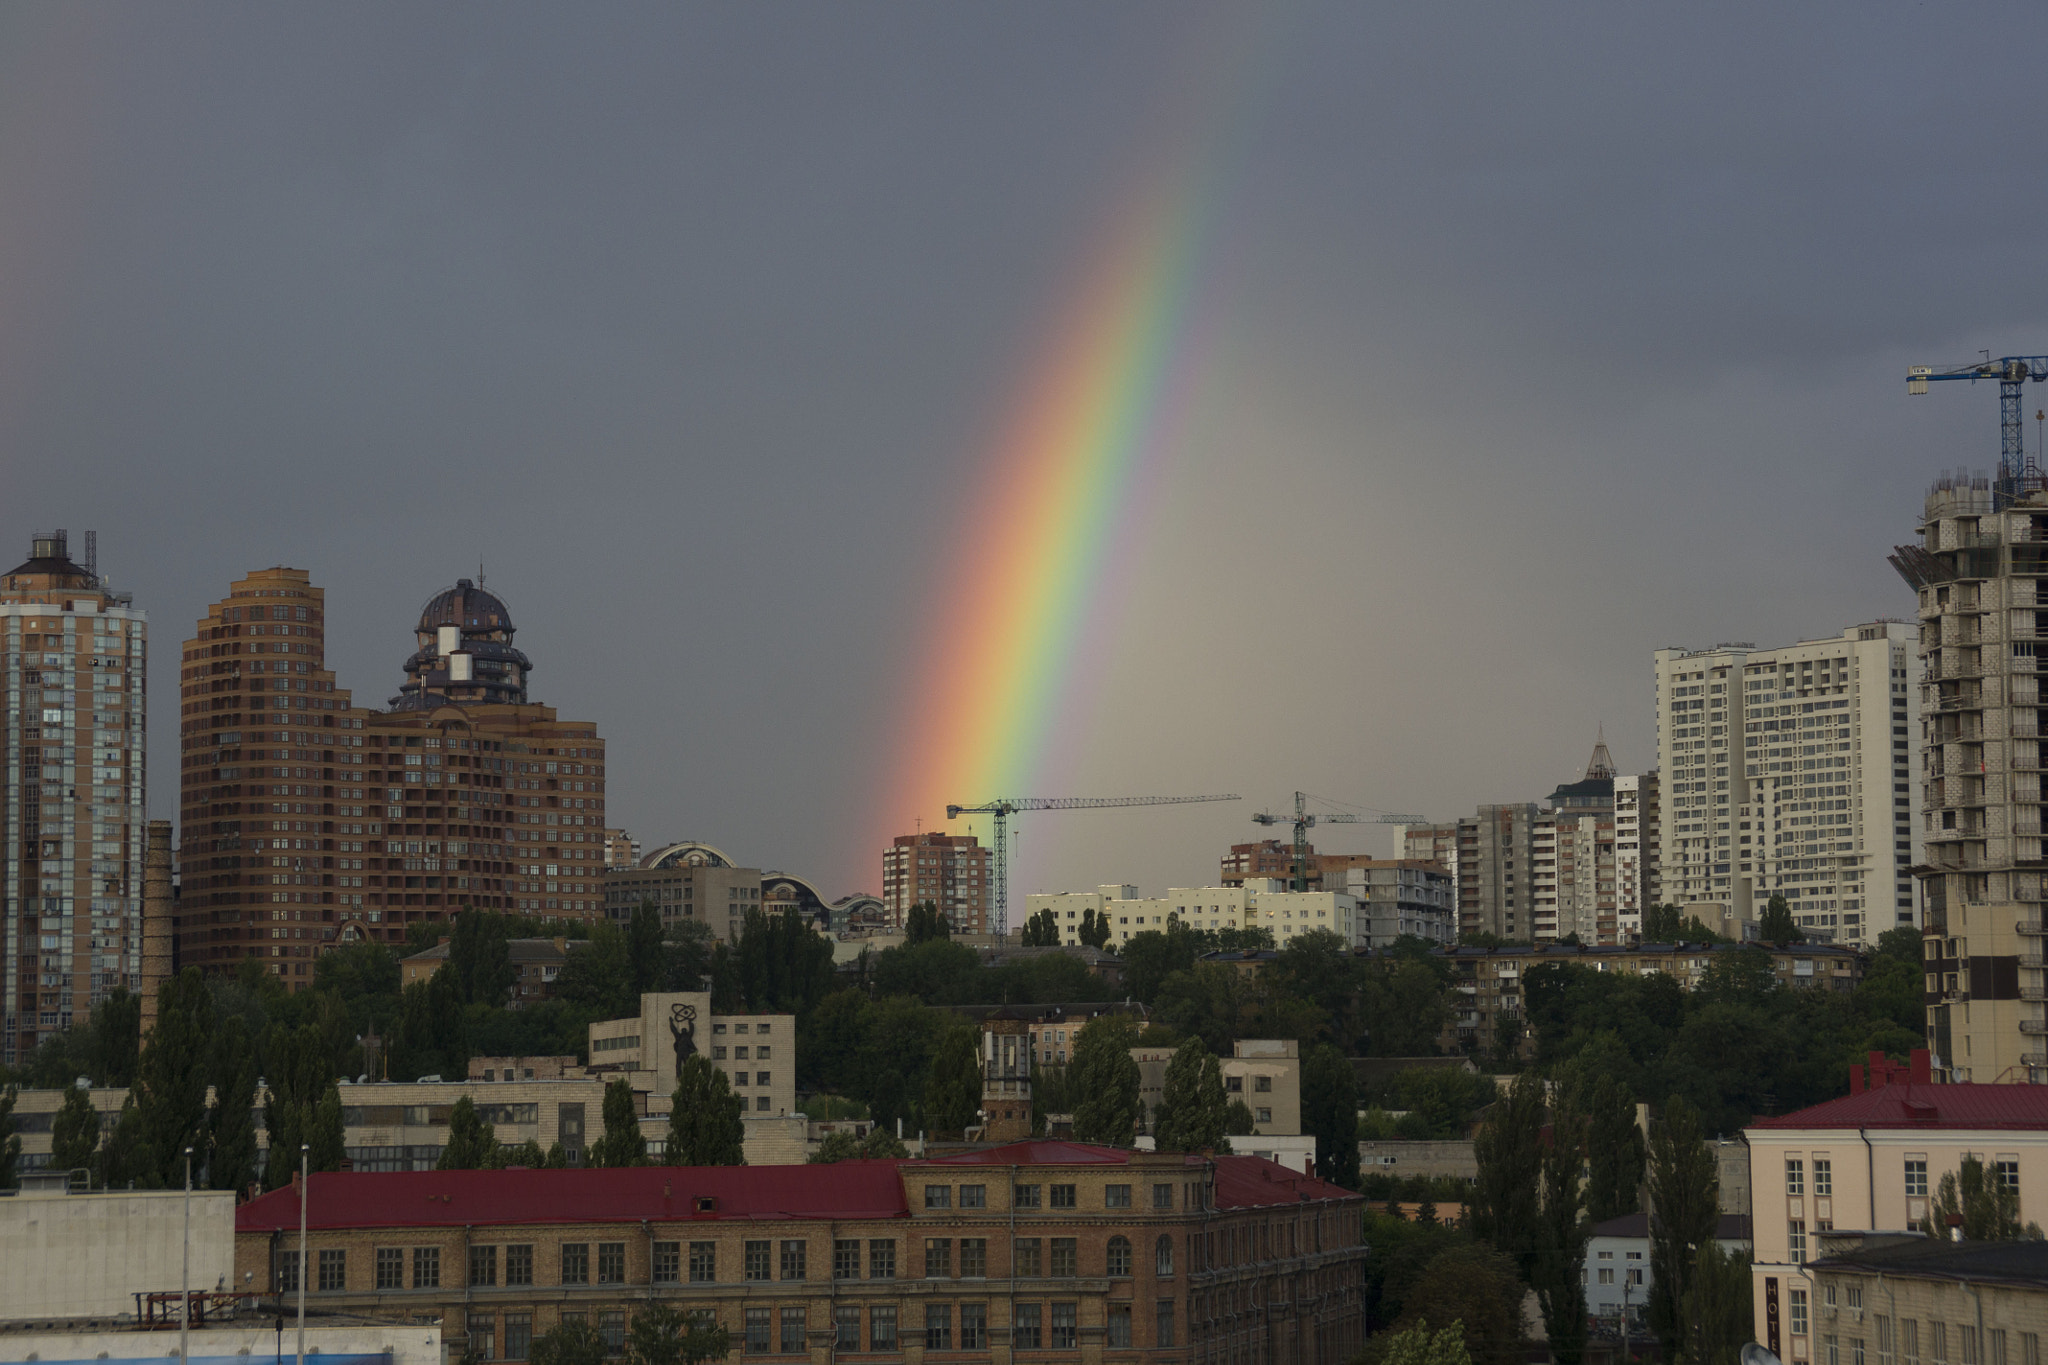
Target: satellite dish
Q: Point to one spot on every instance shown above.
(1753, 1354)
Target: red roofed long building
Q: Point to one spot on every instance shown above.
(1870, 1161)
(1060, 1251)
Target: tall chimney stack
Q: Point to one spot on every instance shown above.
(156, 918)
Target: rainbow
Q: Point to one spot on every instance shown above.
(1037, 575)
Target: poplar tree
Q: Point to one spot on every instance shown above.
(952, 1092)
(75, 1131)
(1615, 1149)
(1104, 1079)
(1505, 1200)
(1329, 1110)
(170, 1082)
(1193, 1110)
(704, 1124)
(1562, 1234)
(472, 1146)
(1684, 1199)
(231, 1165)
(622, 1143)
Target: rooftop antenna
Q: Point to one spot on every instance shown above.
(479, 573)
(92, 557)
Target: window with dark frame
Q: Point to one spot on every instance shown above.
(426, 1267)
(518, 1336)
(795, 1251)
(1162, 1196)
(483, 1336)
(575, 1263)
(611, 1262)
(611, 1326)
(1026, 1258)
(519, 1264)
(333, 1269)
(882, 1258)
(483, 1266)
(1117, 1262)
(1065, 1259)
(1116, 1196)
(938, 1327)
(882, 1327)
(1063, 1319)
(974, 1327)
(667, 1265)
(757, 1262)
(1163, 1332)
(938, 1258)
(1119, 1327)
(703, 1262)
(391, 1267)
(938, 1196)
(755, 1335)
(846, 1326)
(974, 1196)
(792, 1330)
(1026, 1196)
(1025, 1330)
(1062, 1196)
(973, 1258)
(846, 1258)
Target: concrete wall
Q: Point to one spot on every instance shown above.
(399, 1344)
(88, 1255)
(1452, 1157)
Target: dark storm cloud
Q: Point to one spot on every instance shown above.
(1553, 335)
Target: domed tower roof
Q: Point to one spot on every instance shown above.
(465, 655)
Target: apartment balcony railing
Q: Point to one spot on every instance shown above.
(2034, 1026)
(2030, 926)
(2033, 993)
(2032, 960)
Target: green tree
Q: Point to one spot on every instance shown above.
(170, 1081)
(1718, 1309)
(1104, 1080)
(924, 923)
(1476, 1287)
(75, 1131)
(1559, 1266)
(430, 1035)
(526, 1156)
(231, 1127)
(121, 1155)
(1615, 1151)
(1238, 1120)
(665, 1335)
(1094, 929)
(785, 965)
(297, 1066)
(1329, 1110)
(1979, 1201)
(686, 959)
(115, 1038)
(574, 1342)
(1505, 1204)
(472, 1145)
(880, 1143)
(1042, 930)
(1193, 1110)
(1418, 1345)
(1683, 1189)
(325, 1134)
(598, 977)
(480, 958)
(952, 1091)
(646, 942)
(622, 1143)
(704, 1124)
(1776, 924)
(10, 1144)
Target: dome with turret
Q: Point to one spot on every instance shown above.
(465, 655)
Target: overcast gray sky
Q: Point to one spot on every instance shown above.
(1547, 336)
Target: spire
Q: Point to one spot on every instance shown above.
(1602, 762)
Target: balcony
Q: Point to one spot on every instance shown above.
(2030, 926)
(2035, 1027)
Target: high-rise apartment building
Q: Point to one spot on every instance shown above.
(950, 870)
(1636, 884)
(72, 823)
(1979, 571)
(309, 821)
(1789, 772)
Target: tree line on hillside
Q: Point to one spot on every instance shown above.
(882, 1034)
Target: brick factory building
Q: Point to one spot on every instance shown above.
(310, 821)
(1056, 1249)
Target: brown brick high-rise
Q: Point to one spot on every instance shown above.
(309, 821)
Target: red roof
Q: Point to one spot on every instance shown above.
(1037, 1152)
(354, 1199)
(1245, 1182)
(1907, 1105)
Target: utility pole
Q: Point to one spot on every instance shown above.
(305, 1150)
(185, 1272)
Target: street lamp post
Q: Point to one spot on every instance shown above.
(304, 1150)
(185, 1272)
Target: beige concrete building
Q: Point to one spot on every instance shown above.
(1892, 1296)
(952, 871)
(75, 655)
(757, 1052)
(686, 880)
(1978, 570)
(1637, 885)
(1790, 772)
(1872, 1160)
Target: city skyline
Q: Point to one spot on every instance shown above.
(706, 334)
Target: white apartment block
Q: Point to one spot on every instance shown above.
(1630, 884)
(1262, 901)
(1790, 772)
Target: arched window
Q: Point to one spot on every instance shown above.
(1119, 1256)
(1165, 1256)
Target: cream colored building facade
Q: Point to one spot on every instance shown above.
(1261, 902)
(87, 1255)
(1872, 1160)
(757, 1052)
(1790, 772)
